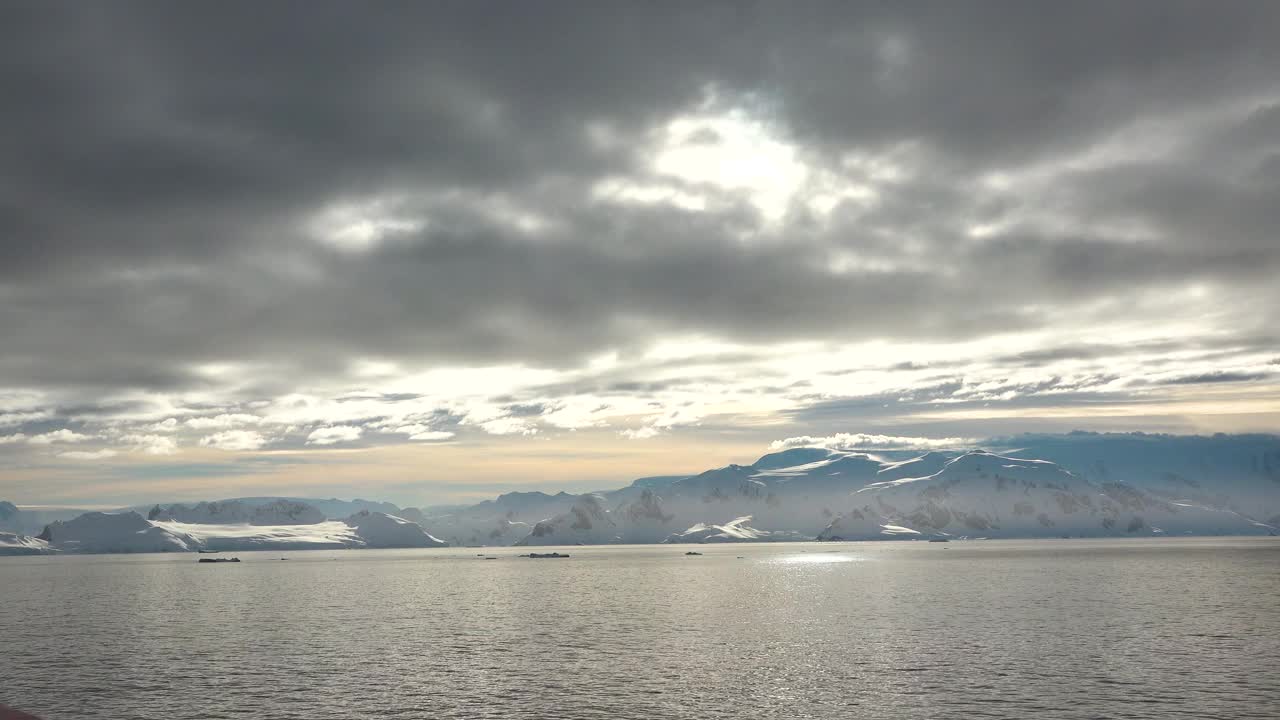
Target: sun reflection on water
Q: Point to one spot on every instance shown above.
(816, 559)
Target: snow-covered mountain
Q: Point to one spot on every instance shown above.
(273, 512)
(1237, 472)
(1024, 486)
(792, 494)
(987, 495)
(8, 513)
(587, 522)
(380, 530)
(330, 509)
(30, 521)
(98, 532)
(1128, 485)
(501, 521)
(101, 532)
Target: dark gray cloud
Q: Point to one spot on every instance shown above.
(164, 167)
(1220, 377)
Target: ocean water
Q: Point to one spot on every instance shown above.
(1159, 628)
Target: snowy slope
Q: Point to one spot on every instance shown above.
(737, 530)
(15, 544)
(988, 495)
(1236, 472)
(114, 533)
(130, 532)
(327, 535)
(380, 530)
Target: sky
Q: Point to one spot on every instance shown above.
(429, 252)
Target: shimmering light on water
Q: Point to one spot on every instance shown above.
(815, 559)
(1167, 628)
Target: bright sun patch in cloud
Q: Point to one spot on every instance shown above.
(361, 226)
(735, 152)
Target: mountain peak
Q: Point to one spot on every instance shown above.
(791, 458)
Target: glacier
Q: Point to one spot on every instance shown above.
(124, 532)
(16, 544)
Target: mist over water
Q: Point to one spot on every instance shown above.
(1157, 628)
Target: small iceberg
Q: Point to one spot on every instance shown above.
(539, 556)
(218, 560)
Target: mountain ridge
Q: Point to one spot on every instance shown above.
(1077, 484)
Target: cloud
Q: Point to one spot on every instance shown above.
(423, 433)
(432, 435)
(860, 441)
(58, 436)
(333, 435)
(1218, 377)
(773, 219)
(508, 426)
(165, 426)
(88, 454)
(234, 440)
(642, 433)
(151, 444)
(225, 420)
(9, 419)
(461, 177)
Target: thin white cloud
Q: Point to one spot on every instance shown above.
(9, 419)
(234, 440)
(165, 426)
(58, 436)
(88, 454)
(423, 433)
(432, 435)
(861, 441)
(643, 433)
(224, 421)
(508, 426)
(334, 434)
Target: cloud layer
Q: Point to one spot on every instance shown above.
(242, 228)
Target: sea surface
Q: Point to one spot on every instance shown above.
(1160, 628)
